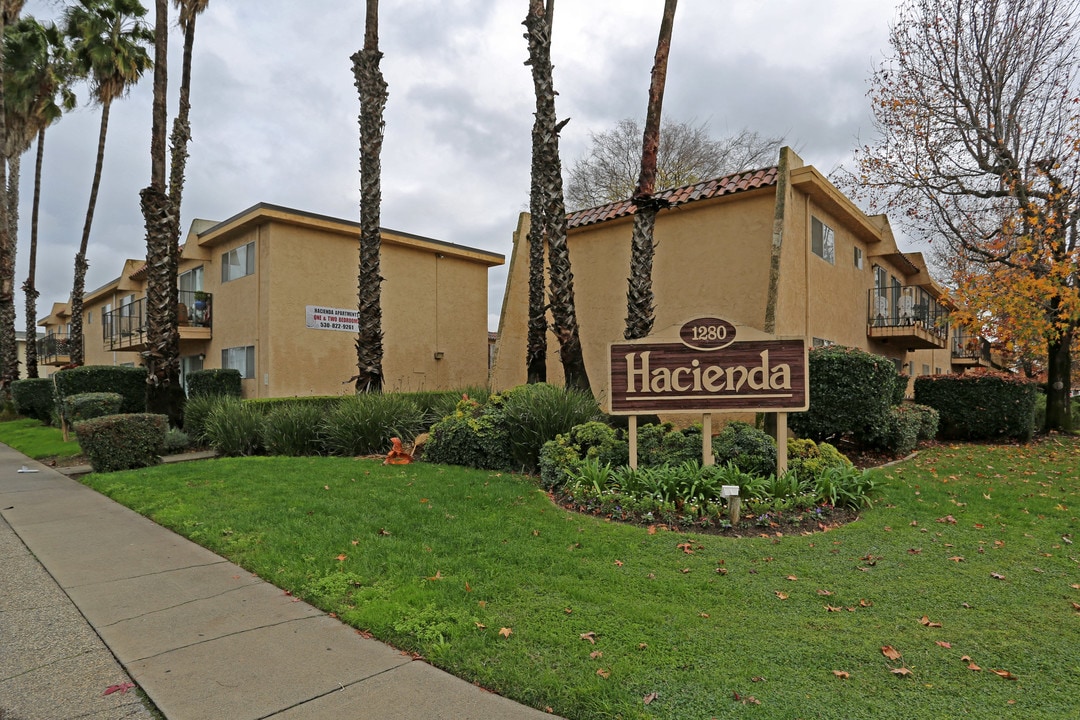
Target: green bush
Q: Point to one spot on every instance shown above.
(218, 381)
(810, 459)
(325, 403)
(564, 456)
(980, 404)
(176, 441)
(85, 406)
(534, 414)
(122, 442)
(929, 419)
(750, 449)
(293, 429)
(661, 444)
(851, 392)
(129, 382)
(34, 398)
(233, 427)
(363, 424)
(437, 404)
(196, 410)
(471, 436)
(905, 422)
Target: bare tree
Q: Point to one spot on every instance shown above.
(688, 153)
(978, 143)
(640, 310)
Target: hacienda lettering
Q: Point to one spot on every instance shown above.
(698, 377)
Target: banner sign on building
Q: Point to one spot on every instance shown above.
(324, 318)
(708, 370)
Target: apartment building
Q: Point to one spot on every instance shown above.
(842, 278)
(271, 292)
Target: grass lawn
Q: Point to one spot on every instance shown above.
(36, 440)
(965, 568)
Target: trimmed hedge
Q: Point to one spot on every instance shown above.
(980, 404)
(128, 382)
(85, 406)
(851, 392)
(122, 442)
(34, 398)
(216, 382)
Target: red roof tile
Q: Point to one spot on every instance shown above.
(748, 180)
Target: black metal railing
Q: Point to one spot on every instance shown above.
(907, 306)
(55, 347)
(126, 325)
(969, 346)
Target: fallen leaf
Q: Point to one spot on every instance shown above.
(781, 595)
(757, 678)
(999, 576)
(122, 688)
(704, 615)
(824, 592)
(568, 610)
(841, 674)
(355, 542)
(436, 576)
(590, 636)
(481, 626)
(914, 551)
(341, 557)
(947, 519)
(973, 666)
(746, 700)
(685, 570)
(687, 548)
(865, 603)
(325, 487)
(1075, 586)
(830, 608)
(596, 654)
(603, 673)
(943, 644)
(506, 632)
(926, 621)
(468, 588)
(649, 698)
(618, 563)
(902, 671)
(1004, 674)
(384, 531)
(792, 578)
(957, 558)
(890, 652)
(642, 646)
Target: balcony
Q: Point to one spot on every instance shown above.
(54, 349)
(124, 329)
(907, 316)
(970, 350)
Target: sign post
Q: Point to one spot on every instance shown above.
(709, 369)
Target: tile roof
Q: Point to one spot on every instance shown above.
(727, 185)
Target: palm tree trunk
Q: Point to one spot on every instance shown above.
(7, 244)
(78, 286)
(9, 355)
(640, 307)
(373, 94)
(547, 182)
(162, 355)
(29, 287)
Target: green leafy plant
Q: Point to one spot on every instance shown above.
(233, 427)
(364, 424)
(293, 429)
(122, 442)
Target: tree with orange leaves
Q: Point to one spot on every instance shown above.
(978, 117)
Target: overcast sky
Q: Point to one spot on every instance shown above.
(274, 111)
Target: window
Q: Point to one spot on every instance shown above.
(238, 263)
(822, 240)
(192, 280)
(858, 258)
(822, 342)
(925, 369)
(240, 358)
(937, 371)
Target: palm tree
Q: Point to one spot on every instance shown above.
(109, 41)
(162, 354)
(38, 92)
(549, 210)
(372, 90)
(181, 132)
(9, 356)
(640, 310)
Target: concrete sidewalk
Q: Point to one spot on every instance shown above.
(200, 636)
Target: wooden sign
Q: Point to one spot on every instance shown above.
(708, 370)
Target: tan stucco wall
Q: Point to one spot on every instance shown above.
(712, 258)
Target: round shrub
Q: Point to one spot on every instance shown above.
(85, 406)
(809, 459)
(563, 458)
(661, 444)
(748, 448)
(176, 441)
(851, 392)
(34, 398)
(469, 437)
(122, 442)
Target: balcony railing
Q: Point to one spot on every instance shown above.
(907, 315)
(970, 349)
(125, 327)
(54, 349)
